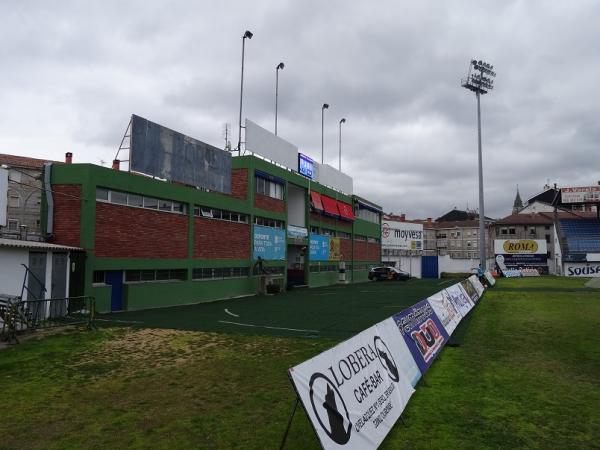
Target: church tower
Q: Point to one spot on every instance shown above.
(518, 204)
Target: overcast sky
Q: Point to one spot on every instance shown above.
(73, 72)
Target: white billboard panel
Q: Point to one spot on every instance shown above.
(585, 194)
(520, 246)
(264, 143)
(402, 235)
(3, 196)
(355, 392)
(329, 176)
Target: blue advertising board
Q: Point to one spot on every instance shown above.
(306, 166)
(423, 333)
(319, 247)
(269, 243)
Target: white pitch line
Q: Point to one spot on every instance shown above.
(326, 293)
(230, 313)
(118, 321)
(265, 326)
(444, 282)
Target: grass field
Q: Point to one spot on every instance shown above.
(526, 375)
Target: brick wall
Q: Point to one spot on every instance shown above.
(239, 183)
(366, 251)
(346, 249)
(67, 214)
(325, 220)
(219, 239)
(268, 203)
(126, 232)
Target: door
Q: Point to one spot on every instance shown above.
(36, 288)
(429, 267)
(115, 279)
(58, 308)
(76, 282)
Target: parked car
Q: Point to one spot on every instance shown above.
(387, 273)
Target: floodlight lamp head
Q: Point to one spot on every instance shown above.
(280, 65)
(342, 121)
(248, 34)
(325, 106)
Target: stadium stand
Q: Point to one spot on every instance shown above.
(581, 235)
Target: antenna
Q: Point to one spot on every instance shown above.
(226, 134)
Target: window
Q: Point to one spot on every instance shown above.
(212, 213)
(217, 273)
(512, 230)
(328, 232)
(343, 234)
(548, 238)
(14, 201)
(150, 275)
(139, 201)
(368, 215)
(269, 188)
(314, 230)
(373, 240)
(13, 225)
(99, 277)
(273, 223)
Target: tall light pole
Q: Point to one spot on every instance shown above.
(340, 155)
(478, 82)
(323, 108)
(279, 67)
(247, 35)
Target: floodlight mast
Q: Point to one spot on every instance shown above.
(480, 84)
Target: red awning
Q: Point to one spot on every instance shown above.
(316, 200)
(330, 206)
(345, 210)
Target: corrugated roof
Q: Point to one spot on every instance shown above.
(16, 243)
(23, 161)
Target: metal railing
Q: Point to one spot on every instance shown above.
(20, 316)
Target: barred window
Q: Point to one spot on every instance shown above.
(139, 201)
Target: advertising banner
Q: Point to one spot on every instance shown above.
(269, 243)
(470, 290)
(524, 260)
(295, 232)
(586, 194)
(582, 270)
(490, 278)
(445, 310)
(335, 252)
(423, 333)
(460, 299)
(402, 235)
(520, 246)
(477, 285)
(319, 247)
(355, 392)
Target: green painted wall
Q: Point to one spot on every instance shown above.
(146, 295)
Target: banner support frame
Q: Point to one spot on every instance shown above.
(289, 425)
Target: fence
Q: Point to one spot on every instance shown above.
(20, 316)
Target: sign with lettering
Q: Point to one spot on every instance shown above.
(402, 235)
(520, 246)
(269, 243)
(355, 392)
(319, 247)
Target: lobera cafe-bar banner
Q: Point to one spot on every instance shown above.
(355, 392)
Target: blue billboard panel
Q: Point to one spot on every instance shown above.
(423, 333)
(306, 166)
(319, 247)
(269, 243)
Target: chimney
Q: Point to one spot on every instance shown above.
(429, 221)
(402, 217)
(68, 158)
(116, 163)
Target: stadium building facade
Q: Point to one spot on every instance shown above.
(152, 243)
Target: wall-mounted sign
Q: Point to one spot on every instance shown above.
(586, 194)
(269, 243)
(402, 235)
(306, 166)
(582, 270)
(319, 247)
(520, 246)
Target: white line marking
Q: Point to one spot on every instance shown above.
(118, 321)
(327, 293)
(230, 313)
(444, 282)
(265, 326)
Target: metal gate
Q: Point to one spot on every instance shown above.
(429, 267)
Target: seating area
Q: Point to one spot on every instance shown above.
(582, 235)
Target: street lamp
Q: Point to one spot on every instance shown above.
(323, 108)
(247, 35)
(340, 157)
(480, 79)
(279, 67)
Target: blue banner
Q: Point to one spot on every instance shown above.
(319, 247)
(423, 333)
(269, 243)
